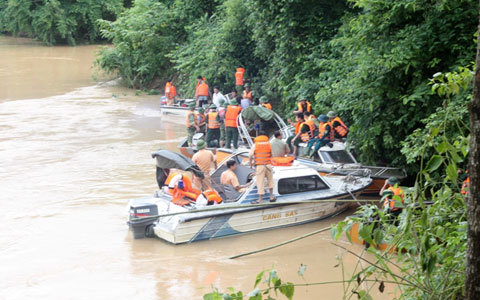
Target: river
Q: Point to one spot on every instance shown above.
(72, 152)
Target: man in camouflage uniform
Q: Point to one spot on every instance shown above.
(191, 124)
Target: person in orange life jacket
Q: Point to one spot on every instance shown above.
(170, 92)
(231, 130)
(264, 102)
(260, 156)
(340, 130)
(393, 197)
(302, 133)
(199, 80)
(201, 118)
(221, 119)
(310, 121)
(213, 127)
(203, 93)
(229, 177)
(247, 97)
(206, 161)
(303, 106)
(192, 124)
(323, 136)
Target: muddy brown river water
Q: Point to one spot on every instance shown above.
(72, 152)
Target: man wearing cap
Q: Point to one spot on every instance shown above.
(393, 196)
(264, 102)
(231, 129)
(205, 160)
(192, 124)
(303, 106)
(201, 120)
(339, 129)
(323, 136)
(213, 127)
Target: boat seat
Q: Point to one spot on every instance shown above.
(230, 192)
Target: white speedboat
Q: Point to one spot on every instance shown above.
(180, 108)
(302, 196)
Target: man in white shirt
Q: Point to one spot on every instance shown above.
(217, 96)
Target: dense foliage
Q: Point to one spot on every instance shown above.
(370, 60)
(55, 21)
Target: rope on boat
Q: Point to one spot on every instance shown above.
(267, 204)
(282, 243)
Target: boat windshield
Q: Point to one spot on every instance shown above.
(301, 184)
(338, 157)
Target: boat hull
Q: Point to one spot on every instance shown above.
(248, 221)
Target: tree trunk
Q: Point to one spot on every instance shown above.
(472, 280)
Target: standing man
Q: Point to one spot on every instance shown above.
(264, 102)
(261, 156)
(205, 160)
(217, 96)
(303, 106)
(201, 120)
(213, 127)
(192, 124)
(231, 129)
(202, 94)
(221, 120)
(170, 92)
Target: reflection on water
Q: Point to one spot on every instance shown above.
(71, 155)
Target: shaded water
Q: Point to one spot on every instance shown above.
(72, 152)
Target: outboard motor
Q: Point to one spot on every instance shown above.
(142, 216)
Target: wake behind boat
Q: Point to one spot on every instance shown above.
(302, 196)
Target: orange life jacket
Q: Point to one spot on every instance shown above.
(167, 89)
(246, 95)
(311, 125)
(188, 118)
(321, 129)
(263, 150)
(202, 89)
(187, 183)
(202, 120)
(212, 120)
(390, 202)
(267, 105)
(465, 186)
(239, 76)
(212, 196)
(342, 129)
(297, 127)
(231, 115)
(300, 107)
(282, 161)
(173, 91)
(305, 137)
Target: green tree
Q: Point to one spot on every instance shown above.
(54, 21)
